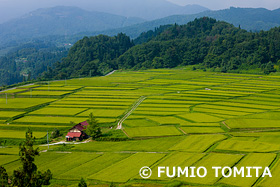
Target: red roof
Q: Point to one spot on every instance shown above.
(79, 127)
(85, 123)
(73, 134)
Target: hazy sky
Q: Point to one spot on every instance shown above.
(222, 4)
(14, 8)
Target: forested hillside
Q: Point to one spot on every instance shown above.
(210, 43)
(91, 56)
(205, 42)
(28, 62)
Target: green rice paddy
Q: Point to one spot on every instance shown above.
(188, 118)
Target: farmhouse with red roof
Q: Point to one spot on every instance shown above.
(77, 132)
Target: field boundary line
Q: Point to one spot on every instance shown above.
(226, 125)
(182, 130)
(140, 100)
(13, 88)
(125, 133)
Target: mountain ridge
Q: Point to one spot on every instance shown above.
(236, 16)
(60, 20)
(145, 9)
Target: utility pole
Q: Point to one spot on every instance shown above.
(48, 139)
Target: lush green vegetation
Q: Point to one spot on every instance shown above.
(27, 175)
(152, 131)
(223, 48)
(91, 56)
(28, 61)
(197, 143)
(214, 159)
(252, 159)
(120, 173)
(205, 126)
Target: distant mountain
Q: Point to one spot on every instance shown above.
(60, 21)
(251, 19)
(254, 19)
(146, 9)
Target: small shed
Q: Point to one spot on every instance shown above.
(73, 136)
(77, 132)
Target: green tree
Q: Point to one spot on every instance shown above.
(93, 128)
(27, 175)
(269, 68)
(55, 133)
(82, 183)
(3, 176)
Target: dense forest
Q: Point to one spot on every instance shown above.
(91, 56)
(209, 43)
(28, 61)
(205, 43)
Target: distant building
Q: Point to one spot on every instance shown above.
(77, 132)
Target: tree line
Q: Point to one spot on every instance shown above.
(28, 61)
(209, 44)
(205, 43)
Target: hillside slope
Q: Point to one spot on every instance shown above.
(204, 42)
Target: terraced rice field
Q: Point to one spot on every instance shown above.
(253, 123)
(153, 131)
(200, 130)
(43, 93)
(247, 145)
(187, 118)
(200, 117)
(19, 134)
(272, 181)
(102, 112)
(49, 120)
(213, 159)
(253, 159)
(9, 114)
(23, 103)
(52, 111)
(119, 172)
(177, 159)
(197, 143)
(169, 120)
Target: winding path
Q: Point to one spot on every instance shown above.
(110, 73)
